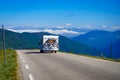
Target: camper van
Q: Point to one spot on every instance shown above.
(49, 43)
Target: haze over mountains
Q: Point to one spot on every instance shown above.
(84, 41)
(69, 30)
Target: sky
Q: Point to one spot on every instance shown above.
(75, 13)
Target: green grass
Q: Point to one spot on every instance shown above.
(110, 59)
(9, 71)
(104, 58)
(98, 57)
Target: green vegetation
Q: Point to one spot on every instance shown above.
(99, 57)
(9, 71)
(111, 59)
(30, 41)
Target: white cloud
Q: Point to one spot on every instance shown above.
(100, 27)
(86, 26)
(104, 26)
(60, 27)
(115, 28)
(21, 31)
(109, 28)
(62, 31)
(8, 26)
(68, 24)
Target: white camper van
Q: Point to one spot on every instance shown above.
(50, 43)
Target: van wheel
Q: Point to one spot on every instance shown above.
(41, 51)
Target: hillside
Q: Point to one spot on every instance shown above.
(115, 50)
(30, 41)
(101, 40)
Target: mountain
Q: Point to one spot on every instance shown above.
(101, 41)
(115, 47)
(21, 40)
(30, 41)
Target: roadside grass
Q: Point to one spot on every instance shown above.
(9, 70)
(103, 58)
(97, 57)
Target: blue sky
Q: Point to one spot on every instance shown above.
(60, 12)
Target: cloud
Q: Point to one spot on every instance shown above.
(104, 26)
(110, 28)
(62, 31)
(88, 26)
(27, 30)
(115, 28)
(65, 30)
(7, 26)
(59, 27)
(68, 24)
(100, 27)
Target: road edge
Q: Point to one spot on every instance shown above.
(19, 71)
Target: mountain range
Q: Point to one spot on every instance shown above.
(103, 41)
(30, 41)
(66, 31)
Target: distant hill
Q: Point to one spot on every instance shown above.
(30, 41)
(101, 40)
(22, 40)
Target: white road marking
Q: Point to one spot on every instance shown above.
(23, 61)
(21, 57)
(30, 76)
(26, 66)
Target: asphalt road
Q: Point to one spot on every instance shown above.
(62, 66)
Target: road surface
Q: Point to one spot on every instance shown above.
(62, 66)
